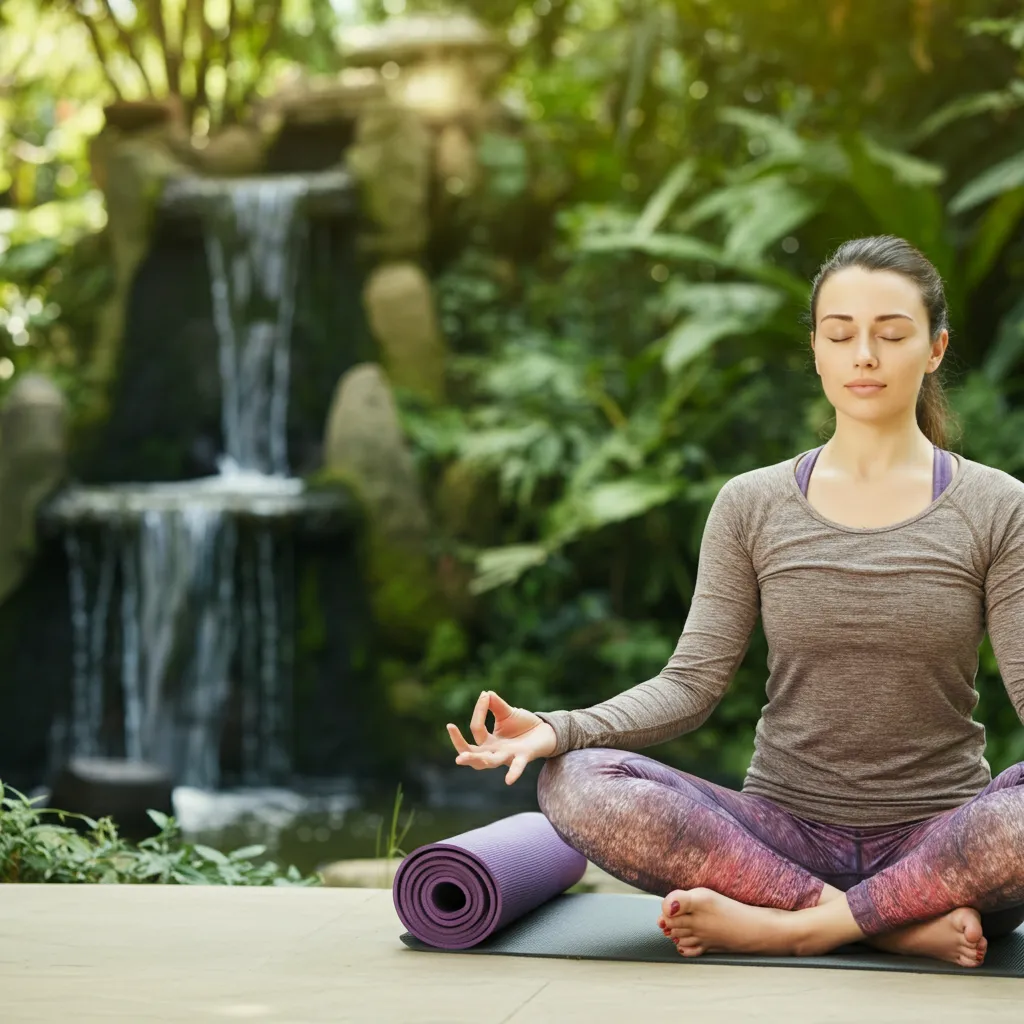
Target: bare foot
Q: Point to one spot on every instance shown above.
(956, 937)
(708, 922)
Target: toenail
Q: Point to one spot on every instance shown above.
(675, 907)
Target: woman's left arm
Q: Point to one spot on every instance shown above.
(1004, 601)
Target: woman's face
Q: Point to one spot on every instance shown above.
(872, 324)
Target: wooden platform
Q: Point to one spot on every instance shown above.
(166, 953)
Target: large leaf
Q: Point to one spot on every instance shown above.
(490, 447)
(661, 246)
(1008, 347)
(1006, 175)
(911, 209)
(997, 225)
(521, 373)
(724, 299)
(27, 261)
(757, 213)
(691, 338)
(611, 502)
(661, 202)
(906, 169)
(970, 106)
(785, 148)
(779, 137)
(775, 211)
(498, 567)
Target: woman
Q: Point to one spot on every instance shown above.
(868, 812)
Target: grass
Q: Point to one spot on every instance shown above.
(394, 840)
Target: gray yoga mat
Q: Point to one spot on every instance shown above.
(612, 926)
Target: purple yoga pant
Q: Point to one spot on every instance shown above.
(659, 829)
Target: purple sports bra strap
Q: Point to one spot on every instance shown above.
(942, 470)
(803, 471)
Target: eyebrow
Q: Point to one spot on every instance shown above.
(883, 316)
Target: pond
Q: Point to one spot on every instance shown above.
(310, 827)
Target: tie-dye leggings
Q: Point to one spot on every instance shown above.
(659, 829)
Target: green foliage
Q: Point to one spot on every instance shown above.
(627, 301)
(37, 846)
(653, 343)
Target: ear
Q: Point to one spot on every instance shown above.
(938, 350)
(817, 369)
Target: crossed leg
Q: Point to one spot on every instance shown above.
(722, 855)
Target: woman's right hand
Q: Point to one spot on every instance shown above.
(519, 737)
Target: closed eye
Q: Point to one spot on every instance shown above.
(884, 338)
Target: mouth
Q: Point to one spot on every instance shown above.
(864, 389)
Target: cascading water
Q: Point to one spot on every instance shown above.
(186, 608)
(253, 305)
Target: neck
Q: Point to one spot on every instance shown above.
(870, 451)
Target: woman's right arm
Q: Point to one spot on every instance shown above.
(715, 637)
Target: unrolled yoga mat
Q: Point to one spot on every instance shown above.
(455, 893)
(612, 926)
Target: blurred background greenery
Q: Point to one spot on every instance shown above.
(623, 300)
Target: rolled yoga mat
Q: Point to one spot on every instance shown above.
(612, 926)
(454, 894)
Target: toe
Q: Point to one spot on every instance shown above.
(971, 923)
(673, 903)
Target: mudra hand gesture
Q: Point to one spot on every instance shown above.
(519, 737)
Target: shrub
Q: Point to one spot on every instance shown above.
(37, 846)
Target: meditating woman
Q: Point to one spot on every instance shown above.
(876, 562)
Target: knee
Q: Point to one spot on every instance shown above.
(562, 782)
(551, 782)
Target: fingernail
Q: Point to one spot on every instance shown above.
(675, 907)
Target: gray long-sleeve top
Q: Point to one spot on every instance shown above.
(873, 638)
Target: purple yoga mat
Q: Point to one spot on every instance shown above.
(455, 893)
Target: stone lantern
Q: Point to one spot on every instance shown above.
(441, 66)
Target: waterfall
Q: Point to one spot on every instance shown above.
(251, 249)
(202, 608)
(178, 580)
(176, 604)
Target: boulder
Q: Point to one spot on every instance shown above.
(33, 459)
(402, 315)
(364, 441)
(364, 446)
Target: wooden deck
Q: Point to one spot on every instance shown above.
(166, 953)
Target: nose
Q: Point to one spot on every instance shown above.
(864, 352)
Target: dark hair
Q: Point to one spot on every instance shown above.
(886, 252)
